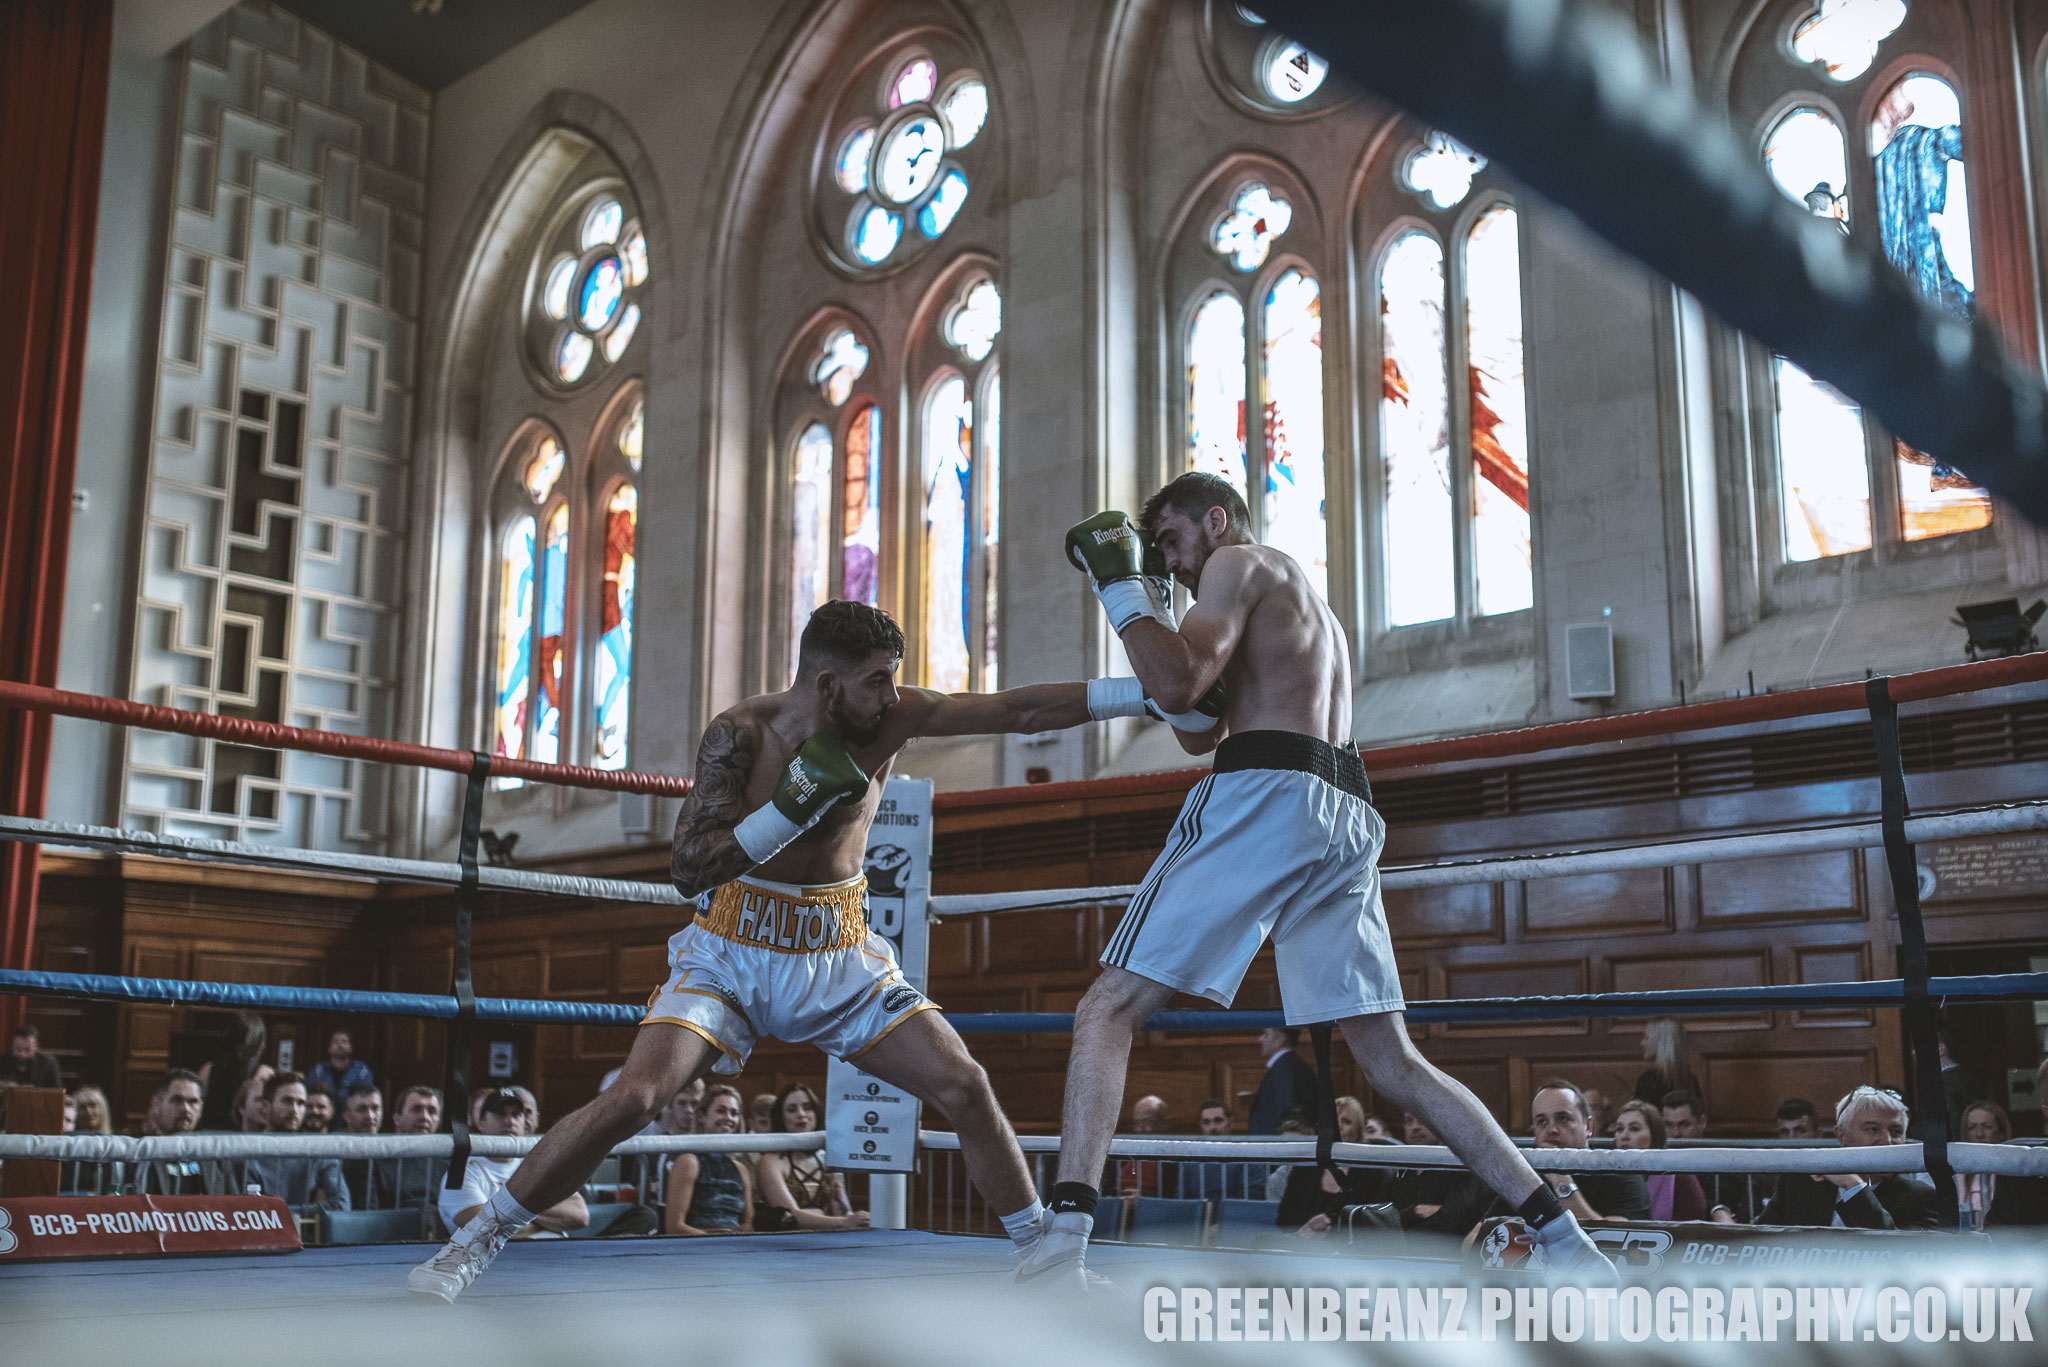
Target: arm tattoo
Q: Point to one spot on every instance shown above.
(705, 853)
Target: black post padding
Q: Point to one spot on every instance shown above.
(456, 1079)
(1571, 101)
(1326, 1105)
(1919, 1010)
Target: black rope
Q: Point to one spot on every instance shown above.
(1918, 1009)
(1326, 1101)
(456, 1082)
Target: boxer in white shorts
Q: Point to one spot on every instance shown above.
(771, 841)
(1280, 839)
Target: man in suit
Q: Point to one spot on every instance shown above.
(1866, 1118)
(1288, 1082)
(1559, 1119)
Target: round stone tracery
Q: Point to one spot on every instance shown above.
(894, 163)
(584, 310)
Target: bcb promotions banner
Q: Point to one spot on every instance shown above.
(128, 1226)
(869, 1125)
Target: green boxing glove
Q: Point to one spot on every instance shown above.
(818, 776)
(1108, 549)
(1125, 697)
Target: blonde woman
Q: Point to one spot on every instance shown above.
(92, 1115)
(711, 1193)
(1664, 1051)
(1313, 1197)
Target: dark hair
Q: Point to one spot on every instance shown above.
(843, 633)
(27, 1030)
(1291, 1033)
(781, 1097)
(314, 1089)
(1798, 1108)
(419, 1089)
(179, 1075)
(503, 1100)
(283, 1077)
(1651, 1117)
(364, 1089)
(1684, 1096)
(1192, 496)
(1558, 1084)
(1214, 1103)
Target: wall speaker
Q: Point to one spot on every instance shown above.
(1589, 660)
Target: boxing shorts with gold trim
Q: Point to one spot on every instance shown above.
(787, 962)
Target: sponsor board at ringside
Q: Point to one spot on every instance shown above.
(1640, 1249)
(135, 1226)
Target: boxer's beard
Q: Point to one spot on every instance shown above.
(851, 727)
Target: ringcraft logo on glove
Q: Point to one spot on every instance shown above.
(802, 786)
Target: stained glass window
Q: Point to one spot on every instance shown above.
(585, 310)
(991, 522)
(619, 338)
(947, 456)
(974, 325)
(875, 233)
(554, 597)
(633, 435)
(614, 665)
(810, 530)
(850, 168)
(914, 82)
(1291, 379)
(572, 357)
(601, 224)
(1823, 472)
(1500, 432)
(1923, 212)
(633, 256)
(515, 639)
(543, 469)
(1808, 157)
(1844, 35)
(843, 361)
(1216, 389)
(1441, 170)
(1245, 233)
(602, 289)
(862, 543)
(1291, 73)
(555, 294)
(965, 110)
(1421, 572)
(909, 159)
(943, 207)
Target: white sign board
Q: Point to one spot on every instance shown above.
(869, 1125)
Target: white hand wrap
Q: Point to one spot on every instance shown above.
(1126, 600)
(1115, 698)
(1196, 721)
(765, 830)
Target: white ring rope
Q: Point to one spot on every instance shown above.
(228, 1145)
(1953, 825)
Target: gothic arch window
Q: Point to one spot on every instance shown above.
(565, 502)
(958, 514)
(1253, 326)
(1859, 113)
(1453, 457)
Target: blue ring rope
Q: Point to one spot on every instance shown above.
(1884, 992)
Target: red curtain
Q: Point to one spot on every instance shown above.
(53, 104)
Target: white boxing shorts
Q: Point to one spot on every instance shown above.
(1281, 839)
(774, 960)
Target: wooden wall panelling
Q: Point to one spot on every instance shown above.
(1633, 901)
(1788, 887)
(1743, 1088)
(1454, 915)
(1840, 963)
(1700, 968)
(1517, 977)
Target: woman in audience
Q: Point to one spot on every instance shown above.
(1314, 1198)
(1673, 1195)
(711, 1193)
(88, 1113)
(1664, 1050)
(793, 1189)
(94, 1115)
(251, 1112)
(1984, 1122)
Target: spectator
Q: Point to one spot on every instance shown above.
(406, 1183)
(297, 1181)
(70, 1114)
(1295, 1122)
(86, 1112)
(681, 1114)
(1957, 1086)
(1145, 1176)
(27, 1065)
(341, 1069)
(711, 1193)
(252, 1109)
(1865, 1118)
(1287, 1082)
(1603, 1111)
(1684, 1114)
(1664, 1050)
(320, 1109)
(2007, 1202)
(1434, 1200)
(1315, 1197)
(1673, 1195)
(793, 1190)
(1558, 1118)
(761, 1113)
(1376, 1129)
(364, 1113)
(504, 1112)
(1797, 1119)
(532, 1105)
(238, 1060)
(94, 1115)
(1981, 1122)
(174, 1109)
(1209, 1181)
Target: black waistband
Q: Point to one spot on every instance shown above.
(1338, 766)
